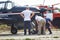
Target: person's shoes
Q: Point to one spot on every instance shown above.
(50, 33)
(24, 34)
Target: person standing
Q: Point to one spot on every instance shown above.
(41, 22)
(27, 15)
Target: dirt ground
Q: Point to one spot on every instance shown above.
(6, 35)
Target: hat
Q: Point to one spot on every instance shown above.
(42, 10)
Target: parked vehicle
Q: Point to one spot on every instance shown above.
(10, 15)
(53, 14)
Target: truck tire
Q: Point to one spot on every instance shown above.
(13, 29)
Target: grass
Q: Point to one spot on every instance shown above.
(4, 27)
(10, 39)
(29, 39)
(55, 37)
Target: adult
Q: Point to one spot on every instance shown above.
(48, 25)
(41, 23)
(48, 22)
(27, 15)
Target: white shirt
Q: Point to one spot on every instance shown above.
(38, 18)
(27, 14)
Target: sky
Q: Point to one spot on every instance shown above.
(35, 2)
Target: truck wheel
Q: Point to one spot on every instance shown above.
(13, 30)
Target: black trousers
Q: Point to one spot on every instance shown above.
(27, 25)
(48, 27)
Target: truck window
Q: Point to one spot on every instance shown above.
(9, 5)
(56, 11)
(2, 6)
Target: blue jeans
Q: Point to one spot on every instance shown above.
(27, 25)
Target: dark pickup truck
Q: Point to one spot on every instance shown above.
(11, 16)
